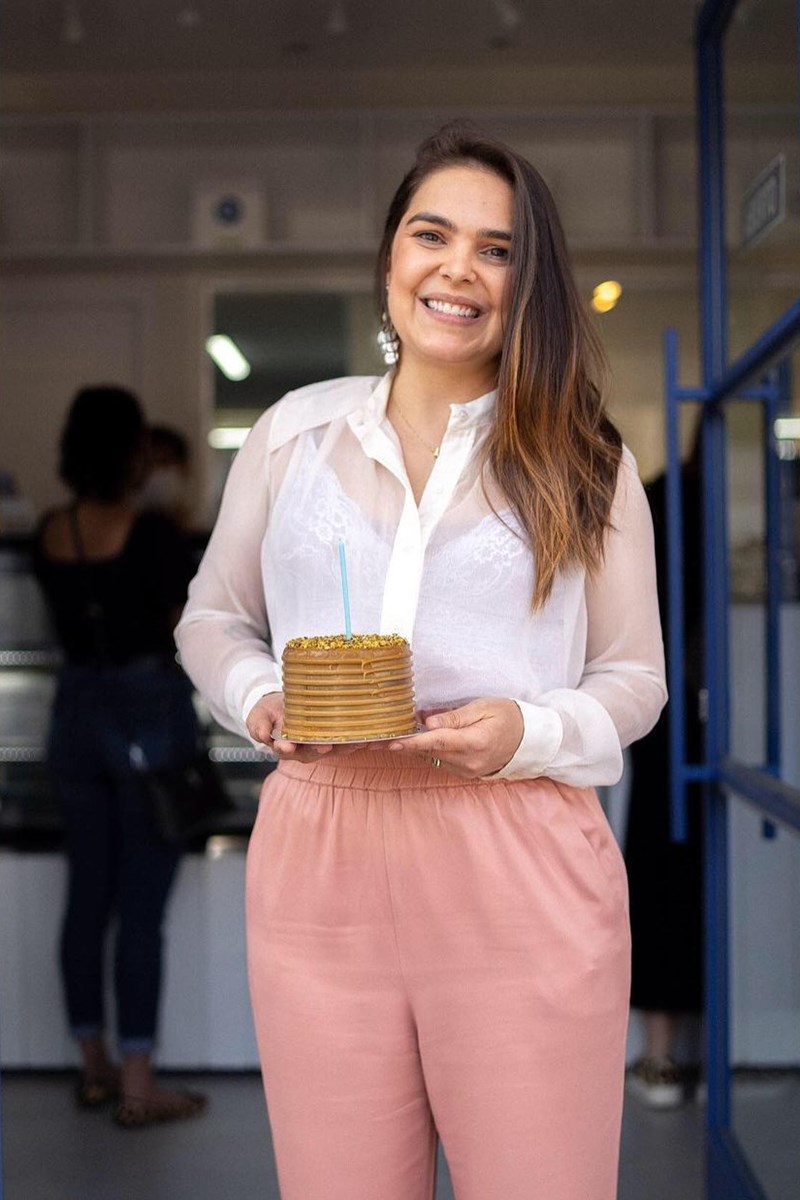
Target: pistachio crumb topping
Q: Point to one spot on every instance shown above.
(338, 641)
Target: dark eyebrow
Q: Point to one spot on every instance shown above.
(434, 219)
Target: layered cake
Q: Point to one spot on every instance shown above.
(339, 689)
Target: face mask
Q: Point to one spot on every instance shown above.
(164, 489)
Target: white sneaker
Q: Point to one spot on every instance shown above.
(656, 1083)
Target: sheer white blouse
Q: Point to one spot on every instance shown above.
(324, 465)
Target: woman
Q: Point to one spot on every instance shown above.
(438, 937)
(114, 581)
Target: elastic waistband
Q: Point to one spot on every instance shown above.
(380, 771)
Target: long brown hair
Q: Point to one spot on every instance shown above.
(553, 451)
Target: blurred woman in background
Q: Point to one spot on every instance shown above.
(115, 579)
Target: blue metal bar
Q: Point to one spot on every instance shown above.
(772, 550)
(699, 774)
(715, 803)
(675, 615)
(713, 18)
(711, 24)
(772, 505)
(712, 21)
(717, 962)
(713, 277)
(772, 796)
(740, 397)
(765, 392)
(776, 341)
(729, 1174)
(717, 598)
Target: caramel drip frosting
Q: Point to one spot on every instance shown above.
(340, 689)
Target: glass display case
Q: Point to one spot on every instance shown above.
(29, 662)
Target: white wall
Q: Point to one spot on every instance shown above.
(633, 336)
(58, 333)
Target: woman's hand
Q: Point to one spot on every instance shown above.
(472, 741)
(266, 718)
(265, 722)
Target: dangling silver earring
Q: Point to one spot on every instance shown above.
(388, 340)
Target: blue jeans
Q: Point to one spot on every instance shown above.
(118, 867)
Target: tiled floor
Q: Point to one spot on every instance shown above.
(54, 1152)
(765, 1114)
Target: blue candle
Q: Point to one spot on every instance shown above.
(345, 592)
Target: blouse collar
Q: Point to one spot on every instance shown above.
(362, 400)
(473, 412)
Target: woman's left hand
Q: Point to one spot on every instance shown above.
(472, 741)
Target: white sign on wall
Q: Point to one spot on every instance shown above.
(764, 204)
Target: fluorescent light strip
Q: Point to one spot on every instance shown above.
(228, 357)
(787, 427)
(228, 437)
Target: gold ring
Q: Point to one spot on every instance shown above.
(436, 762)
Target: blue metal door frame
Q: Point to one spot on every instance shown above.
(752, 377)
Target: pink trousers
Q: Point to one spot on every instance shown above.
(433, 956)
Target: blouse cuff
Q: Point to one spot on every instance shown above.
(247, 682)
(254, 695)
(541, 740)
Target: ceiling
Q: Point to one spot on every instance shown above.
(112, 45)
(146, 35)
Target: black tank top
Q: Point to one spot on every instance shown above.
(130, 598)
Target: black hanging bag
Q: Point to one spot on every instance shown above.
(187, 802)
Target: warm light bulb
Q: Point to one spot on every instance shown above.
(606, 295)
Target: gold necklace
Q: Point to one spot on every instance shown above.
(434, 450)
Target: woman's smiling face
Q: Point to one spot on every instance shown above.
(448, 277)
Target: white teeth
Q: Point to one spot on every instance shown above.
(455, 310)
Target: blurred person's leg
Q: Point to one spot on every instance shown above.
(666, 904)
(661, 1033)
(85, 805)
(85, 796)
(153, 710)
(147, 870)
(654, 1078)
